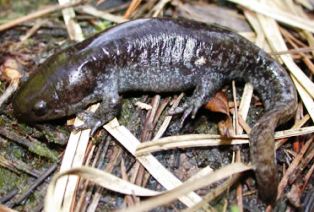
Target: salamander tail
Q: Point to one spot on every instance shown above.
(263, 149)
(263, 158)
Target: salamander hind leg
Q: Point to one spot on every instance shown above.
(202, 93)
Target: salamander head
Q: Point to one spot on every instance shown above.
(54, 88)
(33, 101)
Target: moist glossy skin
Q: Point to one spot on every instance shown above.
(161, 55)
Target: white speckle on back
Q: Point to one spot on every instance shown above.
(200, 61)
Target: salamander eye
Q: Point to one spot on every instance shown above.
(40, 108)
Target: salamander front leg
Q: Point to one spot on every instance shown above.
(201, 94)
(107, 110)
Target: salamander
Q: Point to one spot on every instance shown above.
(161, 55)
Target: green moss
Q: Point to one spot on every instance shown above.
(43, 151)
(102, 25)
(126, 111)
(234, 208)
(17, 152)
(14, 9)
(2, 122)
(9, 180)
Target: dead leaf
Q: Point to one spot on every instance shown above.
(10, 70)
(218, 103)
(225, 127)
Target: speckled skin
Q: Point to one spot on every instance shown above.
(161, 55)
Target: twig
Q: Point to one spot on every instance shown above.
(35, 146)
(292, 38)
(32, 31)
(305, 58)
(284, 181)
(160, 109)
(244, 125)
(308, 176)
(146, 134)
(83, 184)
(159, 7)
(9, 91)
(74, 30)
(128, 198)
(115, 156)
(86, 195)
(8, 196)
(167, 120)
(34, 186)
(101, 14)
(19, 165)
(235, 116)
(294, 51)
(297, 125)
(133, 6)
(239, 190)
(38, 14)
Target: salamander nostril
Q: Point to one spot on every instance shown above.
(40, 108)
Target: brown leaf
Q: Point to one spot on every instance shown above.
(218, 103)
(10, 70)
(225, 127)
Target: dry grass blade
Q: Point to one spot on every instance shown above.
(246, 100)
(101, 14)
(99, 177)
(159, 7)
(190, 186)
(201, 140)
(201, 173)
(73, 157)
(277, 43)
(306, 3)
(151, 164)
(9, 91)
(306, 99)
(182, 143)
(74, 30)
(37, 14)
(297, 125)
(167, 120)
(275, 39)
(277, 14)
(214, 193)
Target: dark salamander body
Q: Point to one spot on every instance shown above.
(161, 55)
